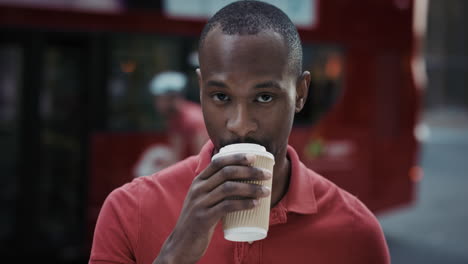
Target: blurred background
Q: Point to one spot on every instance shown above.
(386, 118)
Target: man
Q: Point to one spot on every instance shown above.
(184, 123)
(251, 85)
(184, 119)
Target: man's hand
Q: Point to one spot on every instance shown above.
(208, 200)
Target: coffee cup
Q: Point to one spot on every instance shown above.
(249, 225)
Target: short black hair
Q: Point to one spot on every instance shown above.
(252, 17)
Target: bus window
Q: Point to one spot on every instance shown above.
(62, 134)
(134, 59)
(325, 64)
(11, 57)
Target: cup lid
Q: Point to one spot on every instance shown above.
(243, 148)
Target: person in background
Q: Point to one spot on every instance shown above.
(251, 86)
(183, 122)
(183, 118)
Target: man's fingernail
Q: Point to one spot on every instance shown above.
(250, 158)
(267, 174)
(266, 189)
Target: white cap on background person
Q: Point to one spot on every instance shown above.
(167, 82)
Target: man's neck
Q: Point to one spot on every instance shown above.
(281, 176)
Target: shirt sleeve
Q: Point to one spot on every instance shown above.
(116, 231)
(370, 246)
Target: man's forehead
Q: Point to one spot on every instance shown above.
(220, 48)
(216, 38)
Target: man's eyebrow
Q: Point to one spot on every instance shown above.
(263, 85)
(268, 84)
(216, 84)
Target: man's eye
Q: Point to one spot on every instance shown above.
(220, 97)
(264, 98)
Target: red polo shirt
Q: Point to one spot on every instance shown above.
(315, 222)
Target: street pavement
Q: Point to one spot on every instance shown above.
(435, 228)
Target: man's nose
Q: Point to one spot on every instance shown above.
(242, 121)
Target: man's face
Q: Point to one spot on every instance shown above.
(247, 92)
(166, 104)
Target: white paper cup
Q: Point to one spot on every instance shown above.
(249, 225)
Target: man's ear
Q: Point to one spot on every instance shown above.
(302, 90)
(200, 81)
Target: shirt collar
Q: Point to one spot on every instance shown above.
(300, 197)
(204, 157)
